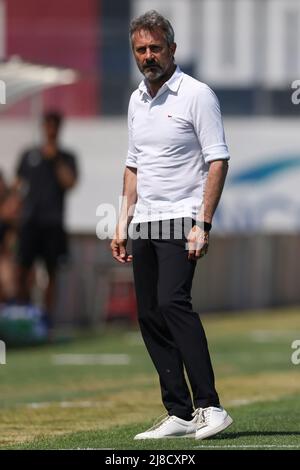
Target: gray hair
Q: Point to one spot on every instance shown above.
(150, 21)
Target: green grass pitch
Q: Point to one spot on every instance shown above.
(46, 404)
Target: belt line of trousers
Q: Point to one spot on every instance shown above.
(171, 330)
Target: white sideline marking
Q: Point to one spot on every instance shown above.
(98, 404)
(69, 404)
(37, 405)
(90, 359)
(249, 446)
(241, 401)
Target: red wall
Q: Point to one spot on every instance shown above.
(61, 33)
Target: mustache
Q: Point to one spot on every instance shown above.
(151, 64)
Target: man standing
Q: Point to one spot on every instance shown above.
(44, 175)
(175, 172)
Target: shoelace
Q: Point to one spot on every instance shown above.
(160, 421)
(203, 417)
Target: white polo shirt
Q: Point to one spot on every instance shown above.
(172, 139)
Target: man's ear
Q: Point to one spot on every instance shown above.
(173, 47)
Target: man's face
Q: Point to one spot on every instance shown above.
(153, 55)
(51, 129)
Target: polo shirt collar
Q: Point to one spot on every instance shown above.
(173, 83)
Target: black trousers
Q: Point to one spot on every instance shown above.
(172, 331)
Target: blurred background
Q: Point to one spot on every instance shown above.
(74, 56)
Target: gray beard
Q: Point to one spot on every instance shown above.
(153, 76)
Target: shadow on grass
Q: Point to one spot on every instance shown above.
(235, 435)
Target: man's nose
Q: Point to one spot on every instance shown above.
(149, 54)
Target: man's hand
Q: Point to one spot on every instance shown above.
(118, 247)
(198, 242)
(66, 175)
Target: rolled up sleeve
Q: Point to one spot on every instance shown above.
(131, 159)
(209, 126)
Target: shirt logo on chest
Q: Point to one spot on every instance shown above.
(34, 158)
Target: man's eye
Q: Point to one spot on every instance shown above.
(141, 50)
(155, 49)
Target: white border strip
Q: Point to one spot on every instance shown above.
(90, 359)
(249, 446)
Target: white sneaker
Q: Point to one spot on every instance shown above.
(211, 420)
(170, 426)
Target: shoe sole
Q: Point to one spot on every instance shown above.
(165, 437)
(227, 422)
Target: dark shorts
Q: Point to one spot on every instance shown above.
(45, 242)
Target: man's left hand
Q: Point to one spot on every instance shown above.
(198, 242)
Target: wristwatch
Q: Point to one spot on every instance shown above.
(205, 226)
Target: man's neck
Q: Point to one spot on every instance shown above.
(49, 149)
(153, 87)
